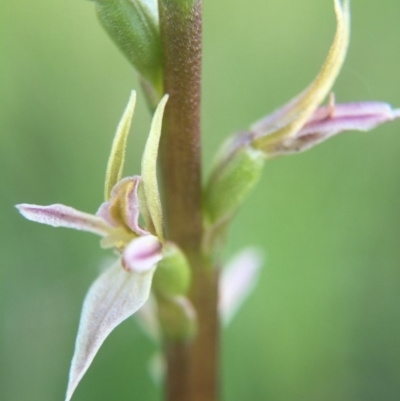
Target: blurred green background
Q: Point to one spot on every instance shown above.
(324, 321)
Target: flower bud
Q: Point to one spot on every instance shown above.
(172, 276)
(231, 180)
(177, 318)
(133, 26)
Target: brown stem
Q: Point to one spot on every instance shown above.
(180, 148)
(192, 368)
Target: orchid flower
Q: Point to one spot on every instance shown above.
(122, 289)
(301, 124)
(297, 126)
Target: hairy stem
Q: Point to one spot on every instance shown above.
(192, 367)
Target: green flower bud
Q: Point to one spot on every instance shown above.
(133, 26)
(172, 276)
(177, 318)
(231, 180)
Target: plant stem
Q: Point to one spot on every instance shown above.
(192, 367)
(180, 147)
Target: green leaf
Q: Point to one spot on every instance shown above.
(133, 26)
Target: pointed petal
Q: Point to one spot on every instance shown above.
(104, 212)
(286, 122)
(329, 121)
(349, 116)
(111, 299)
(149, 169)
(142, 254)
(237, 281)
(117, 156)
(58, 215)
(131, 206)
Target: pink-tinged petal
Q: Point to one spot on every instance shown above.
(334, 119)
(132, 209)
(124, 202)
(353, 109)
(237, 281)
(142, 254)
(112, 298)
(104, 212)
(64, 216)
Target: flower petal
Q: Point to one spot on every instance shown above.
(286, 122)
(349, 116)
(237, 281)
(58, 215)
(117, 155)
(149, 169)
(142, 254)
(331, 120)
(123, 207)
(111, 299)
(132, 208)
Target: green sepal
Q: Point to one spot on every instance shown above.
(230, 183)
(173, 275)
(133, 26)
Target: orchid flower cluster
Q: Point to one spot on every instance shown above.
(130, 220)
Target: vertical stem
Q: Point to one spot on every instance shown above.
(180, 148)
(192, 367)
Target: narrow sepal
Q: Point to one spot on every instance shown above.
(58, 215)
(237, 281)
(111, 299)
(331, 120)
(287, 121)
(149, 169)
(117, 156)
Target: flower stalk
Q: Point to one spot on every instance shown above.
(191, 367)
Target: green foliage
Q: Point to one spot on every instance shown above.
(133, 26)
